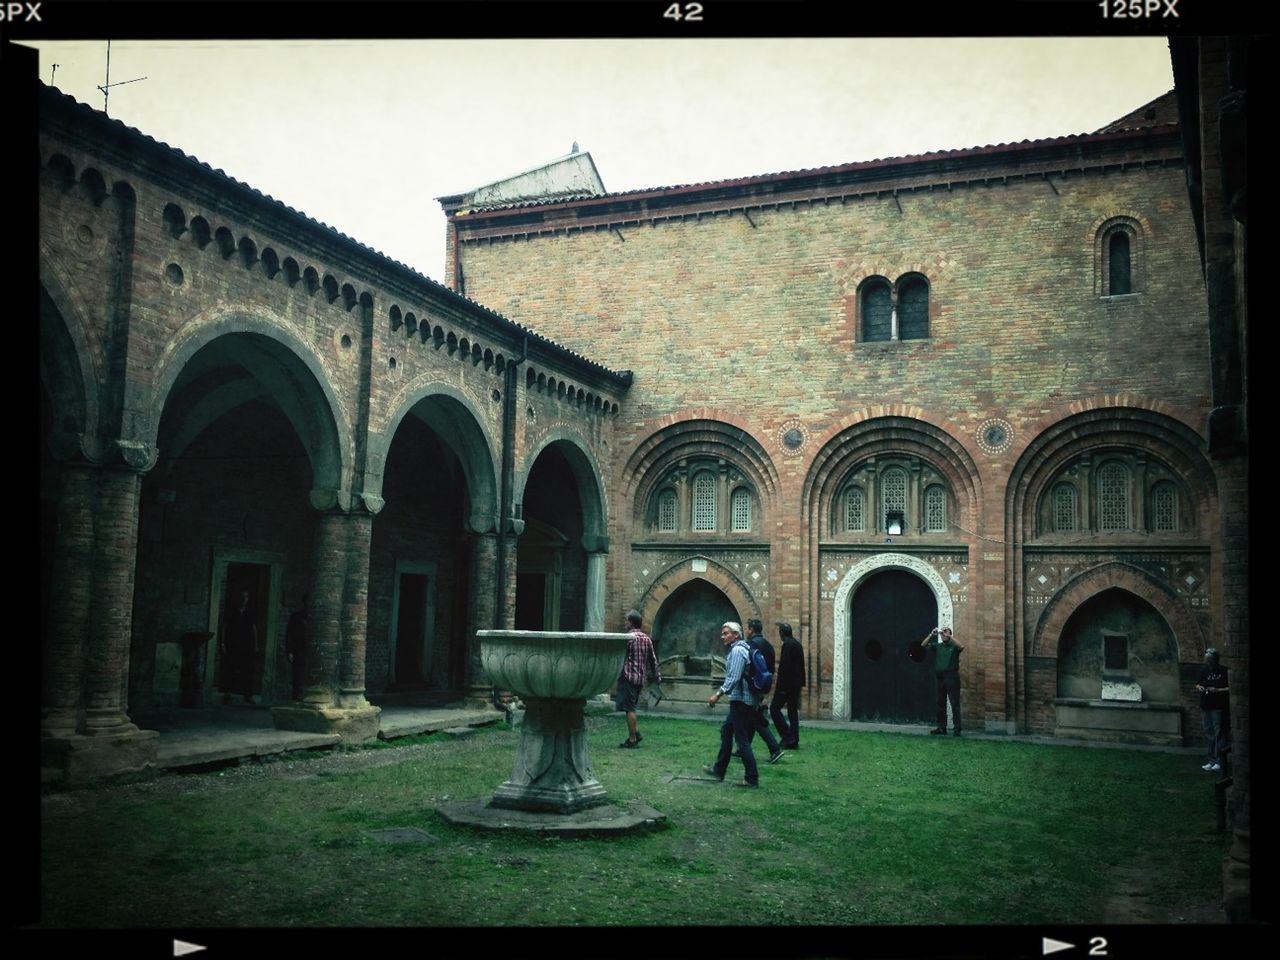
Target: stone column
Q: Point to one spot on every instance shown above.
(597, 548)
(71, 591)
(334, 701)
(484, 612)
(96, 629)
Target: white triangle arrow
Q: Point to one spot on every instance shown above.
(181, 948)
(1048, 946)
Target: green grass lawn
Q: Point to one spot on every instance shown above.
(856, 828)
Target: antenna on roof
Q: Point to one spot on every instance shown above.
(53, 74)
(106, 84)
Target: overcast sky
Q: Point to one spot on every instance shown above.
(364, 135)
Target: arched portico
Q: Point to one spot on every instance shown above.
(840, 680)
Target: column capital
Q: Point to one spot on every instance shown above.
(137, 455)
(326, 500)
(595, 543)
(76, 448)
(482, 522)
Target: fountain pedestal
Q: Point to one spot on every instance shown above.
(552, 771)
(551, 788)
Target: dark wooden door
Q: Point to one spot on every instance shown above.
(890, 676)
(411, 623)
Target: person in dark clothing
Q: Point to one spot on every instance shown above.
(946, 671)
(239, 651)
(1213, 691)
(756, 641)
(787, 686)
(295, 645)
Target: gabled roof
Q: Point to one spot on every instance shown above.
(571, 177)
(1160, 111)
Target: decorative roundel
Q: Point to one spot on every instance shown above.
(792, 437)
(994, 435)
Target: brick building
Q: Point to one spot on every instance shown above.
(968, 388)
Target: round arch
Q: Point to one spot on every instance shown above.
(295, 379)
(1187, 633)
(586, 470)
(67, 363)
(454, 416)
(682, 572)
(840, 698)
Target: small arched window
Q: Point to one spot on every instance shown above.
(913, 308)
(935, 509)
(876, 310)
(1119, 265)
(1113, 497)
(740, 510)
(1064, 507)
(855, 501)
(704, 502)
(1164, 507)
(667, 511)
(893, 495)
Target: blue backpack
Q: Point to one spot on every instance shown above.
(758, 673)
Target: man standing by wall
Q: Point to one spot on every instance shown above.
(1213, 708)
(741, 724)
(640, 662)
(787, 686)
(946, 670)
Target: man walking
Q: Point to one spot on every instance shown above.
(787, 686)
(756, 641)
(742, 705)
(640, 662)
(1212, 688)
(946, 671)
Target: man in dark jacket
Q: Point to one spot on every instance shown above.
(946, 672)
(1213, 708)
(756, 641)
(787, 686)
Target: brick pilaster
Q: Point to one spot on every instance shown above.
(73, 590)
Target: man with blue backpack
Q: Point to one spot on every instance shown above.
(761, 679)
(741, 724)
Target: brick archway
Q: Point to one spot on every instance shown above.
(1187, 634)
(681, 573)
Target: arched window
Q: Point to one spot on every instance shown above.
(740, 510)
(893, 495)
(1064, 507)
(1118, 264)
(1113, 497)
(855, 510)
(876, 310)
(913, 308)
(935, 509)
(1164, 507)
(667, 511)
(704, 502)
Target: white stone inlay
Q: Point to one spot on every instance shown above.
(699, 565)
(953, 576)
(1043, 579)
(1130, 690)
(1191, 581)
(840, 694)
(831, 575)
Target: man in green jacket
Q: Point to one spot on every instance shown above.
(946, 671)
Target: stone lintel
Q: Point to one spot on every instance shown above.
(353, 725)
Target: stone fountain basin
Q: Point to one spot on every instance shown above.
(552, 665)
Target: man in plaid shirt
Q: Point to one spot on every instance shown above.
(640, 662)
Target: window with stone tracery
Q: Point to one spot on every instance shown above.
(1164, 507)
(740, 510)
(667, 506)
(855, 510)
(704, 502)
(1113, 497)
(1064, 507)
(893, 493)
(935, 510)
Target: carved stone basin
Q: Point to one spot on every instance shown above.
(553, 673)
(545, 665)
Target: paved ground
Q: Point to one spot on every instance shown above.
(192, 737)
